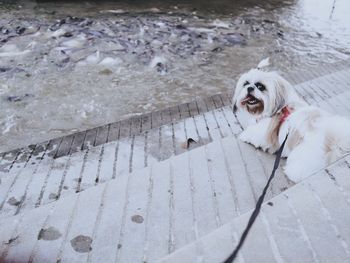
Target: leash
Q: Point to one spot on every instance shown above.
(256, 211)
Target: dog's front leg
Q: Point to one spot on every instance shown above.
(257, 134)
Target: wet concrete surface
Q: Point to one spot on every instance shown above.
(70, 66)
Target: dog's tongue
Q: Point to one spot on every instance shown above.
(248, 98)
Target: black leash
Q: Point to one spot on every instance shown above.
(256, 211)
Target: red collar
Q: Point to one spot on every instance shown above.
(285, 112)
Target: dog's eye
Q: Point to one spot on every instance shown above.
(260, 86)
(246, 83)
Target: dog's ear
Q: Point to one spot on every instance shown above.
(235, 94)
(263, 63)
(282, 88)
(238, 88)
(234, 103)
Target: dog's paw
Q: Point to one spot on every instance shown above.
(285, 154)
(244, 137)
(295, 174)
(271, 150)
(254, 140)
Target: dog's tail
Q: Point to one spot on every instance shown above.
(263, 63)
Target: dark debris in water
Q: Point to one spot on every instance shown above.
(19, 98)
(11, 70)
(4, 69)
(20, 30)
(161, 68)
(4, 30)
(217, 49)
(71, 20)
(68, 34)
(235, 39)
(138, 38)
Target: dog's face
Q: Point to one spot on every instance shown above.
(260, 93)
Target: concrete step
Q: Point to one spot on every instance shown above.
(306, 223)
(45, 172)
(147, 214)
(330, 92)
(33, 177)
(141, 192)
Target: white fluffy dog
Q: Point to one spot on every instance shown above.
(268, 109)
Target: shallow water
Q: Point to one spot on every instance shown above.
(72, 66)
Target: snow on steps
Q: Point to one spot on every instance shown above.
(145, 215)
(307, 223)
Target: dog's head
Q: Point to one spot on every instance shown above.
(261, 93)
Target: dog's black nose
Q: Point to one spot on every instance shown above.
(250, 89)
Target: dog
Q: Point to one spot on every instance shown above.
(268, 108)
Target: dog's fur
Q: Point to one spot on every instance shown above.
(316, 138)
